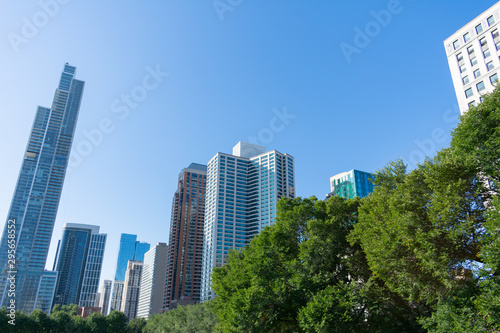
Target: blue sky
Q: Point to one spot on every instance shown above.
(225, 71)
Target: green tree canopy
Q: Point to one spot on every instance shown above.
(184, 319)
(299, 274)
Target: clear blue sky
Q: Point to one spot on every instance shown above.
(228, 71)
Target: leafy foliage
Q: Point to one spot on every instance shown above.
(190, 318)
(302, 274)
(422, 230)
(477, 137)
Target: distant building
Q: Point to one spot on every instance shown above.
(241, 196)
(46, 291)
(86, 311)
(130, 298)
(186, 238)
(473, 53)
(130, 249)
(116, 299)
(152, 287)
(105, 296)
(351, 184)
(79, 264)
(97, 300)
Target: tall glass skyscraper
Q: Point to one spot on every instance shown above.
(36, 197)
(241, 196)
(351, 184)
(79, 264)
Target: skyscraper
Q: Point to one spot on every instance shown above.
(36, 197)
(131, 285)
(351, 184)
(130, 249)
(105, 296)
(241, 196)
(79, 264)
(152, 288)
(186, 238)
(473, 53)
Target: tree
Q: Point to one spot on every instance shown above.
(136, 325)
(97, 323)
(197, 318)
(41, 320)
(478, 136)
(422, 231)
(62, 321)
(301, 273)
(116, 321)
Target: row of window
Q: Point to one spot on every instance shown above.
(479, 29)
(472, 55)
(477, 73)
(480, 86)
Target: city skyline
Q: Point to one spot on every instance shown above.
(292, 77)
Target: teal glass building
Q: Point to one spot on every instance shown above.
(38, 190)
(351, 184)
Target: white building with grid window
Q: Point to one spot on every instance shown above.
(152, 286)
(473, 57)
(240, 201)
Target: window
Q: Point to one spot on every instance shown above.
(494, 79)
(491, 21)
(472, 56)
(484, 47)
(480, 86)
(461, 62)
(469, 93)
(490, 66)
(477, 73)
(479, 28)
(466, 37)
(496, 38)
(471, 104)
(456, 44)
(465, 80)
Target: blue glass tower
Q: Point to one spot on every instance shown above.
(130, 249)
(79, 264)
(125, 253)
(36, 197)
